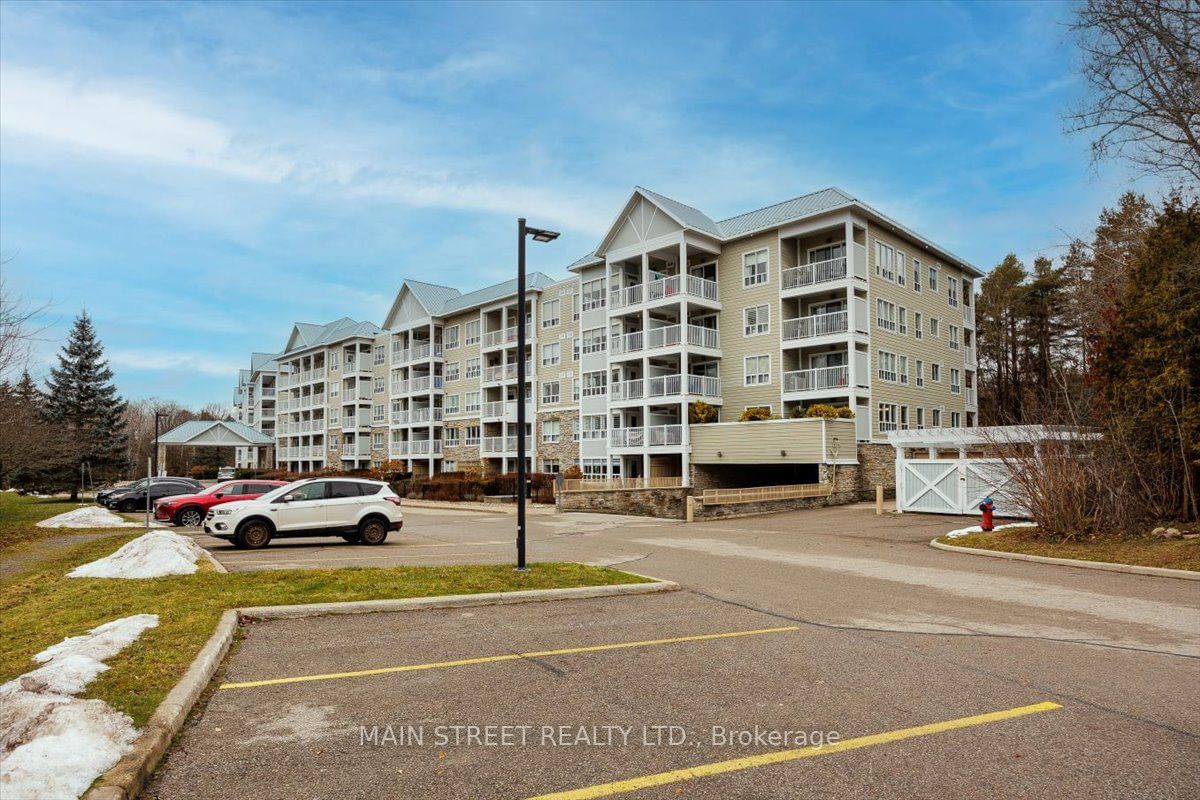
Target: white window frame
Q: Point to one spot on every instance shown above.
(593, 431)
(593, 387)
(472, 402)
(450, 338)
(756, 377)
(916, 284)
(933, 278)
(452, 371)
(918, 325)
(886, 369)
(885, 321)
(451, 404)
(902, 369)
(885, 261)
(471, 332)
(595, 340)
(451, 436)
(886, 418)
(901, 268)
(593, 294)
(756, 268)
(902, 319)
(474, 368)
(551, 392)
(468, 439)
(920, 370)
(551, 430)
(756, 320)
(551, 354)
(551, 313)
(935, 372)
(955, 381)
(954, 337)
(935, 327)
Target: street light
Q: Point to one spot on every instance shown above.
(539, 235)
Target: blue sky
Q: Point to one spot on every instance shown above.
(200, 176)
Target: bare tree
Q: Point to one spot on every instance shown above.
(1141, 61)
(18, 327)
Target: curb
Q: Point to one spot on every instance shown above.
(1106, 566)
(455, 600)
(125, 780)
(481, 508)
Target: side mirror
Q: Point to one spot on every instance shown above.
(219, 495)
(287, 498)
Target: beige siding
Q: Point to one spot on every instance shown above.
(774, 442)
(566, 332)
(462, 354)
(735, 298)
(929, 349)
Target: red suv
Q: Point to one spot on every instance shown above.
(188, 510)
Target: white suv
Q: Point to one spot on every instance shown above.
(357, 510)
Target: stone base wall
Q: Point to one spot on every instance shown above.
(877, 465)
(566, 449)
(773, 506)
(665, 503)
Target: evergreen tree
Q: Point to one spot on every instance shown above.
(82, 399)
(999, 311)
(1044, 328)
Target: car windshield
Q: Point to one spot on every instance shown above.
(213, 489)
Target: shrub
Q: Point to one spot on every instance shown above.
(572, 474)
(827, 411)
(755, 414)
(699, 413)
(202, 472)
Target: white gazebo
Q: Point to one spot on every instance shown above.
(216, 433)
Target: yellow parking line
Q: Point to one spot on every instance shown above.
(462, 662)
(736, 764)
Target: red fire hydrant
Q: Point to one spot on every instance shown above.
(987, 506)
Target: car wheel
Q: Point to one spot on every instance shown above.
(127, 506)
(352, 538)
(254, 534)
(372, 531)
(190, 517)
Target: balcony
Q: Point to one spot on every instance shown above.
(969, 355)
(356, 450)
(500, 338)
(815, 380)
(675, 286)
(504, 409)
(425, 447)
(650, 436)
(397, 449)
(815, 325)
(629, 296)
(833, 269)
(506, 372)
(972, 397)
(419, 415)
(498, 444)
(626, 343)
(664, 386)
(268, 391)
(969, 316)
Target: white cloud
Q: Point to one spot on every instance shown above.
(175, 361)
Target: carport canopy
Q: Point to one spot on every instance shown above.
(963, 438)
(215, 433)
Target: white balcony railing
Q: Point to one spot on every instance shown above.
(820, 378)
(969, 316)
(499, 444)
(626, 343)
(666, 336)
(969, 355)
(627, 437)
(664, 386)
(651, 436)
(627, 390)
(627, 296)
(500, 337)
(704, 386)
(700, 336)
(815, 325)
(397, 449)
(972, 396)
(833, 269)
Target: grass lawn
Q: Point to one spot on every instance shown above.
(41, 606)
(1143, 551)
(18, 515)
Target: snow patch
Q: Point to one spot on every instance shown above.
(150, 556)
(52, 744)
(976, 529)
(87, 517)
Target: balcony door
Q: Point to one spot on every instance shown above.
(831, 251)
(834, 359)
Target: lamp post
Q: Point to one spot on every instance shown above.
(157, 416)
(539, 235)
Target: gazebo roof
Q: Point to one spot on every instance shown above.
(215, 433)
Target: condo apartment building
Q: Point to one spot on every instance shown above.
(819, 299)
(254, 405)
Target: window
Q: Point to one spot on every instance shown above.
(885, 315)
(551, 465)
(550, 430)
(451, 435)
(334, 441)
(933, 276)
(450, 337)
(937, 417)
(377, 412)
(918, 325)
(334, 388)
(887, 417)
(903, 418)
(335, 417)
(935, 373)
(594, 340)
(450, 465)
(471, 334)
(551, 354)
(471, 404)
(376, 441)
(885, 261)
(550, 392)
(452, 371)
(380, 384)
(550, 313)
(472, 368)
(955, 381)
(575, 306)
(451, 404)
(593, 294)
(309, 491)
(594, 426)
(916, 275)
(954, 337)
(380, 353)
(574, 349)
(595, 383)
(955, 419)
(903, 369)
(757, 370)
(920, 373)
(757, 320)
(901, 267)
(887, 366)
(334, 359)
(594, 468)
(920, 418)
(903, 321)
(397, 350)
(472, 436)
(754, 268)
(952, 293)
(575, 389)
(935, 327)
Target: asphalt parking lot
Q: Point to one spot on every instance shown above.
(943, 675)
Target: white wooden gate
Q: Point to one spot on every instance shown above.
(957, 486)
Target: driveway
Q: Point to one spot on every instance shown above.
(952, 676)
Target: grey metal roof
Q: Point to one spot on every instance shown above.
(590, 258)
(803, 206)
(690, 217)
(311, 335)
(430, 295)
(264, 362)
(498, 291)
(188, 431)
